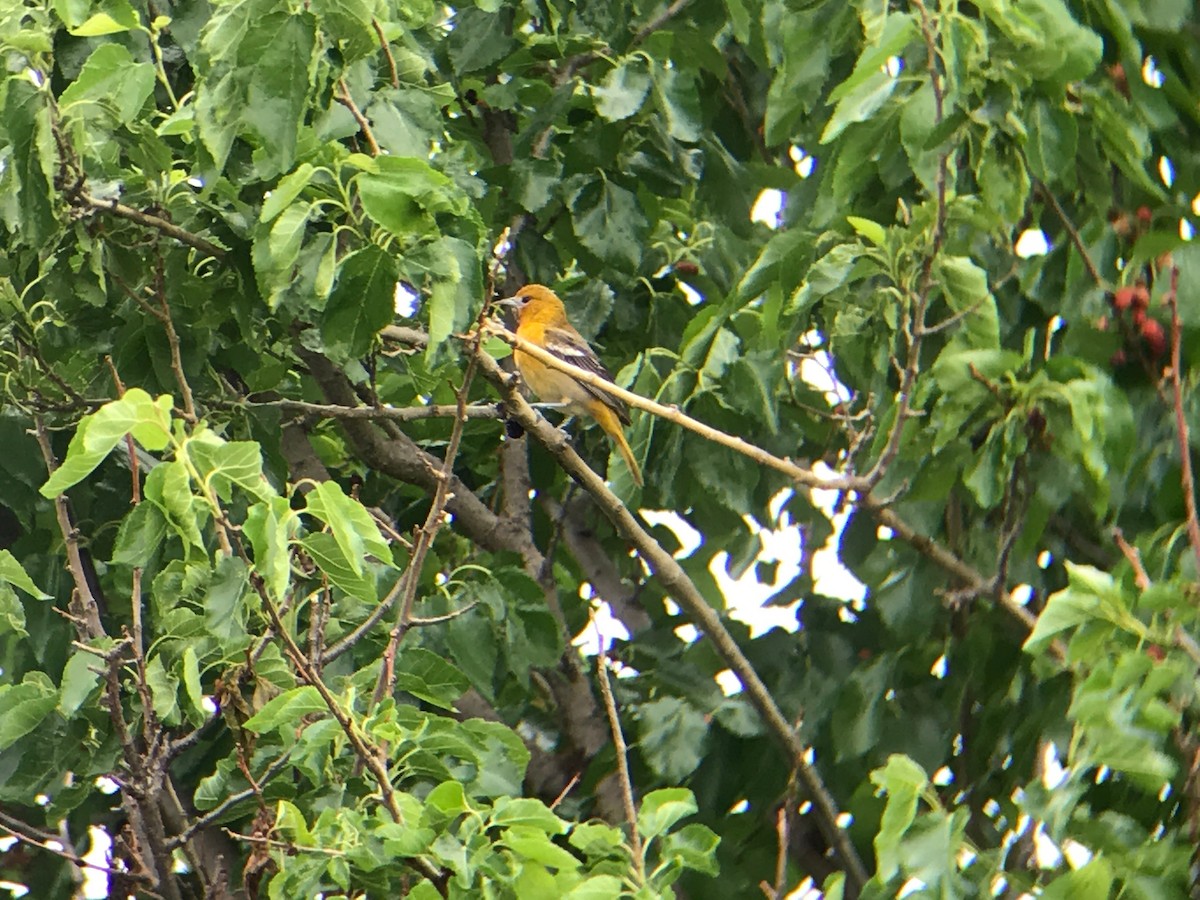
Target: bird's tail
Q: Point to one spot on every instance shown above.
(627, 454)
(612, 427)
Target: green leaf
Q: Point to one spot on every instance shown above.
(331, 560)
(282, 195)
(535, 182)
(609, 223)
(661, 809)
(1095, 879)
(624, 89)
(283, 48)
(404, 196)
(426, 675)
(534, 844)
(872, 231)
(286, 710)
(112, 77)
(966, 289)
(457, 292)
(191, 683)
(448, 798)
(81, 676)
(225, 603)
(899, 29)
(23, 707)
(169, 487)
(141, 533)
(136, 413)
(27, 132)
(12, 613)
(695, 847)
(361, 302)
(352, 527)
(478, 40)
(12, 572)
(597, 887)
(676, 96)
(861, 95)
(904, 781)
(527, 812)
(101, 24)
(270, 526)
(780, 254)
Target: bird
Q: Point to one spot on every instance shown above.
(542, 320)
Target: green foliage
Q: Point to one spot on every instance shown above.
(222, 582)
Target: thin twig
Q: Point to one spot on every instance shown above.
(1071, 230)
(917, 307)
(1134, 557)
(387, 51)
(229, 802)
(341, 646)
(1181, 426)
(43, 840)
(343, 97)
(146, 220)
(397, 413)
(614, 724)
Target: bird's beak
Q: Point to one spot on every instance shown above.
(510, 302)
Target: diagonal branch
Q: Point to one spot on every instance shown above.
(684, 592)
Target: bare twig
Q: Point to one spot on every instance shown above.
(44, 840)
(1181, 426)
(90, 621)
(231, 801)
(916, 307)
(398, 413)
(614, 724)
(1133, 557)
(343, 97)
(146, 220)
(387, 51)
(1071, 230)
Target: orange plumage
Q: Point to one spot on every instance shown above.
(542, 320)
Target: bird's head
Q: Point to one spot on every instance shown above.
(535, 299)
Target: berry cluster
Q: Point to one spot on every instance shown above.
(1135, 299)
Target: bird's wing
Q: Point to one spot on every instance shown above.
(570, 347)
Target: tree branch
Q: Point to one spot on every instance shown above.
(681, 589)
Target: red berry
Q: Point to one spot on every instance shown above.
(1155, 337)
(1155, 652)
(686, 267)
(1139, 317)
(1141, 295)
(1117, 359)
(1122, 299)
(1144, 215)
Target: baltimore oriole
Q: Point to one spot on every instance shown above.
(542, 320)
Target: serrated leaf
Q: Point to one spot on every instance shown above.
(352, 527)
(608, 222)
(286, 710)
(426, 675)
(623, 90)
(22, 708)
(111, 76)
(966, 290)
(330, 559)
(361, 302)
